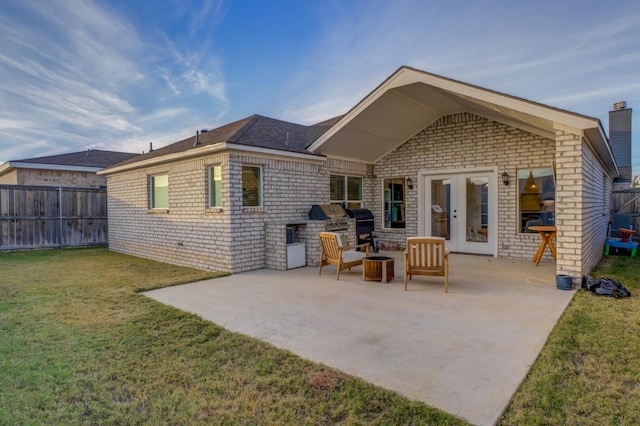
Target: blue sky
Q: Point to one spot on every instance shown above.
(118, 74)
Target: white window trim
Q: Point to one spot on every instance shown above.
(346, 201)
(151, 200)
(384, 202)
(210, 186)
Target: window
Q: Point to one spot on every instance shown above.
(394, 205)
(536, 197)
(215, 186)
(251, 186)
(159, 191)
(346, 190)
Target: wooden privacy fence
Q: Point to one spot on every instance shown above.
(46, 217)
(627, 201)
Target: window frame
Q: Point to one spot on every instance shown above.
(541, 204)
(152, 192)
(211, 194)
(345, 201)
(260, 186)
(388, 202)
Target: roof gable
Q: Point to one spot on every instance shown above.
(410, 100)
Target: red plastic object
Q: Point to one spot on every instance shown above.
(626, 233)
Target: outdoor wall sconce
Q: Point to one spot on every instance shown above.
(505, 178)
(409, 183)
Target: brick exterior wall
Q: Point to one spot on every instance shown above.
(231, 238)
(236, 238)
(468, 141)
(584, 192)
(54, 178)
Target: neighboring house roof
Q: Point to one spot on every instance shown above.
(253, 133)
(410, 100)
(91, 160)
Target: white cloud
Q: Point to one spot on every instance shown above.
(84, 75)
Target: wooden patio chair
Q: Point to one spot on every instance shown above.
(426, 256)
(342, 256)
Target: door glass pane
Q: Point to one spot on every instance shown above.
(477, 209)
(394, 206)
(441, 208)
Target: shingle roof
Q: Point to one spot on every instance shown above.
(256, 131)
(89, 158)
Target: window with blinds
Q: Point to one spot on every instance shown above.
(346, 190)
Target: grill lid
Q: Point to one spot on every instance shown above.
(326, 211)
(360, 214)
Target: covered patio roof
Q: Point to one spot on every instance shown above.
(410, 100)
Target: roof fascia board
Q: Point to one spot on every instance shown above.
(607, 160)
(42, 166)
(167, 158)
(502, 99)
(5, 167)
(276, 153)
(209, 149)
(357, 109)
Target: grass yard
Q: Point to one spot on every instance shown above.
(589, 371)
(79, 346)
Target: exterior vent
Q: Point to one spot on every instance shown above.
(620, 105)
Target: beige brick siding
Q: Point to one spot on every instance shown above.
(189, 234)
(462, 141)
(596, 204)
(54, 178)
(236, 238)
(232, 238)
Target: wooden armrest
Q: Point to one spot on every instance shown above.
(358, 246)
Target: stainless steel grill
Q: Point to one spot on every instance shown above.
(334, 216)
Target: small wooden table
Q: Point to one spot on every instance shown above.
(547, 234)
(378, 268)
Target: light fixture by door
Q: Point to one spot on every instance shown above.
(505, 178)
(409, 183)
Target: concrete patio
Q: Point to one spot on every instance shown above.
(464, 352)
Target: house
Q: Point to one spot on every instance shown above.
(77, 169)
(426, 154)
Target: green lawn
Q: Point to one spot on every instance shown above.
(589, 371)
(78, 345)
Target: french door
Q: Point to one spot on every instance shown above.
(461, 207)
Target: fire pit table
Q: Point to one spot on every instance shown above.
(378, 268)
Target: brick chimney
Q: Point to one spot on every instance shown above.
(620, 140)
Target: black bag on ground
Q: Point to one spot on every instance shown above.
(605, 287)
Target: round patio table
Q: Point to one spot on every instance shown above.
(547, 234)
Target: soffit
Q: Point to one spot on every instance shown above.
(411, 100)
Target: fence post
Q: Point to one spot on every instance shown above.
(60, 215)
